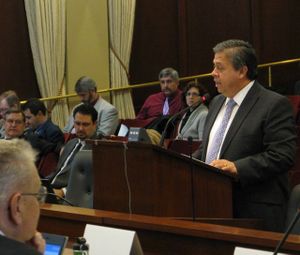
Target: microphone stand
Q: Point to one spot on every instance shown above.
(287, 232)
(190, 144)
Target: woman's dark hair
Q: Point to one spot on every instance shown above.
(194, 84)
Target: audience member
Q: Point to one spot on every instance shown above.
(85, 123)
(38, 123)
(166, 102)
(108, 121)
(20, 194)
(8, 101)
(192, 122)
(249, 133)
(14, 128)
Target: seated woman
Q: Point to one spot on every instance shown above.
(192, 122)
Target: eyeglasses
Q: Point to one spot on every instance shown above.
(40, 196)
(191, 94)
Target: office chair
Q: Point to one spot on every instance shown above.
(80, 186)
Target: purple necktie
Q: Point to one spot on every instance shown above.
(166, 107)
(212, 154)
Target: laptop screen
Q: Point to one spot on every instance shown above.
(55, 244)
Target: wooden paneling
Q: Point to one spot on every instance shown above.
(16, 63)
(182, 33)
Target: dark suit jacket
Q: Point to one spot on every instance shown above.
(12, 247)
(261, 141)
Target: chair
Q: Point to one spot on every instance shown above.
(80, 186)
(294, 173)
(47, 164)
(295, 102)
(183, 146)
(293, 207)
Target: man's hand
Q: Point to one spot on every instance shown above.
(38, 242)
(59, 192)
(225, 165)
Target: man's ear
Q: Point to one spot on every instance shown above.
(15, 207)
(243, 71)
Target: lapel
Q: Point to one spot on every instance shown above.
(246, 106)
(66, 151)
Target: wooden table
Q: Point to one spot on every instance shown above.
(160, 235)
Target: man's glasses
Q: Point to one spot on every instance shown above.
(40, 196)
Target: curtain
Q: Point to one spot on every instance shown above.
(121, 23)
(47, 28)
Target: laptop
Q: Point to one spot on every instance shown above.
(55, 244)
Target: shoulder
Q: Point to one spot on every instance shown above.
(103, 104)
(13, 247)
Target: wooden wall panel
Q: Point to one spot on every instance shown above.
(16, 63)
(272, 26)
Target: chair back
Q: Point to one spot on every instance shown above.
(293, 207)
(80, 185)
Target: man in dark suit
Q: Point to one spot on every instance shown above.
(85, 124)
(38, 122)
(250, 133)
(20, 194)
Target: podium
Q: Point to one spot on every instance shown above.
(147, 179)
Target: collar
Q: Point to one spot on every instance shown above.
(240, 96)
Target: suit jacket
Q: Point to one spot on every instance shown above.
(261, 141)
(194, 125)
(107, 121)
(13, 247)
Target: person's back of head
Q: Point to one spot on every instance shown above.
(8, 101)
(19, 190)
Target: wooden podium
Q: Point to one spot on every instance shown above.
(146, 179)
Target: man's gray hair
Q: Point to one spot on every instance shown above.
(169, 72)
(85, 84)
(16, 163)
(241, 54)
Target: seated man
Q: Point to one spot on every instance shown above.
(19, 199)
(85, 123)
(108, 120)
(38, 123)
(14, 128)
(166, 102)
(8, 101)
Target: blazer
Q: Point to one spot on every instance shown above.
(194, 125)
(107, 121)
(261, 142)
(13, 247)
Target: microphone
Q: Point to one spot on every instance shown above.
(203, 99)
(190, 143)
(287, 232)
